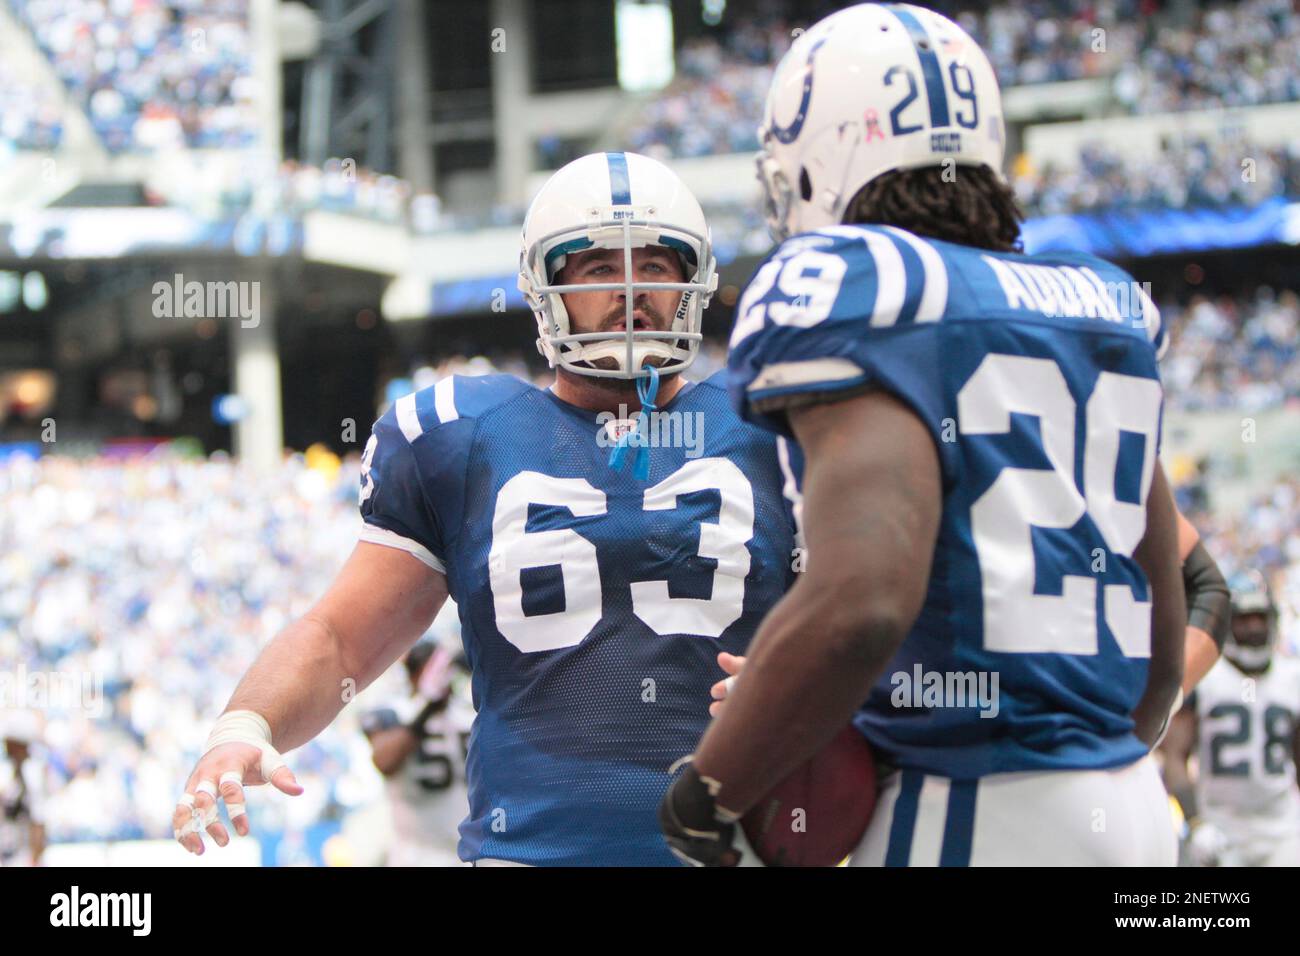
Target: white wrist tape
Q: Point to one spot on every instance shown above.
(247, 727)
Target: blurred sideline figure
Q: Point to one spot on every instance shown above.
(22, 791)
(1243, 808)
(419, 745)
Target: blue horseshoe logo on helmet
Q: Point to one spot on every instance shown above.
(788, 134)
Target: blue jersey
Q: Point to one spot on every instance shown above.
(592, 604)
(1037, 378)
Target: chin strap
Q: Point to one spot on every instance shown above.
(637, 437)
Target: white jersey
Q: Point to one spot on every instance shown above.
(428, 795)
(1246, 781)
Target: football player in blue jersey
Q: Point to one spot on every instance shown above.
(604, 540)
(992, 553)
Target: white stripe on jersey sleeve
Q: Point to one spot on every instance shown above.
(934, 288)
(891, 279)
(891, 276)
(390, 539)
(407, 419)
(444, 400)
(1151, 316)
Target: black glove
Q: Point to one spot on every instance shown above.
(697, 831)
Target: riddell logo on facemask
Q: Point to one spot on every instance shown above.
(683, 307)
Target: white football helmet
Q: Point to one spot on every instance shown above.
(866, 91)
(616, 201)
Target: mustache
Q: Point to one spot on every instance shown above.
(645, 311)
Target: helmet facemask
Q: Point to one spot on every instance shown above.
(1252, 657)
(671, 350)
(778, 196)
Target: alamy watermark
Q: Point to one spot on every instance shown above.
(961, 689)
(661, 430)
(22, 689)
(179, 299)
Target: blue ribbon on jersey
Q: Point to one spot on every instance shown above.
(637, 437)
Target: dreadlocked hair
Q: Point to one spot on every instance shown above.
(974, 209)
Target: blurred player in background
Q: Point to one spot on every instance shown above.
(419, 746)
(593, 597)
(22, 791)
(1244, 807)
(982, 496)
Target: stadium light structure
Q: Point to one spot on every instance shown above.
(643, 32)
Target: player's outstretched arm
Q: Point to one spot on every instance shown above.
(381, 602)
(1158, 556)
(872, 503)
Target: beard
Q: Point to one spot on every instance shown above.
(647, 318)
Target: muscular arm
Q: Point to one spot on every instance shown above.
(872, 502)
(1177, 749)
(381, 602)
(1208, 597)
(1157, 554)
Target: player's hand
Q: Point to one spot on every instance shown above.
(697, 831)
(733, 665)
(223, 772)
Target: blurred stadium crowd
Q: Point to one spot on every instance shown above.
(151, 74)
(1231, 352)
(1230, 55)
(162, 577)
(1196, 172)
(1191, 172)
(154, 74)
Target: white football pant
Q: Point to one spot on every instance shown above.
(1117, 817)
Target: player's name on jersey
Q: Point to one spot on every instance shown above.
(1071, 292)
(923, 688)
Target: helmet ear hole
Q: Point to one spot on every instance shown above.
(805, 184)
